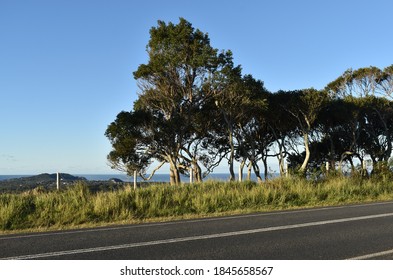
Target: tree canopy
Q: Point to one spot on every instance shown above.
(196, 109)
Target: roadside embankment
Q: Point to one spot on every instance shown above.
(79, 207)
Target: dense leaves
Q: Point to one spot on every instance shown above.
(196, 110)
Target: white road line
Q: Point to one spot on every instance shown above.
(374, 255)
(194, 221)
(193, 238)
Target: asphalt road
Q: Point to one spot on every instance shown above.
(348, 232)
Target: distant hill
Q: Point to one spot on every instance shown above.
(45, 180)
(115, 180)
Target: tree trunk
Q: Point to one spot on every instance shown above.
(174, 174)
(257, 172)
(343, 157)
(264, 160)
(249, 171)
(353, 168)
(231, 156)
(389, 149)
(172, 179)
(197, 172)
(281, 164)
(281, 156)
(241, 166)
(332, 153)
(303, 168)
(388, 152)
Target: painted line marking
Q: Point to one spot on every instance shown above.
(374, 255)
(193, 238)
(81, 231)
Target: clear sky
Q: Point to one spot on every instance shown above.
(66, 65)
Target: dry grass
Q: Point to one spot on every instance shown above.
(77, 206)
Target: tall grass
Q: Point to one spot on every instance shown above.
(79, 206)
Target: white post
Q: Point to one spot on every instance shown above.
(286, 170)
(191, 173)
(135, 179)
(364, 167)
(327, 167)
(58, 181)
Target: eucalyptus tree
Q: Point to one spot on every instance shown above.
(377, 135)
(281, 127)
(250, 132)
(133, 136)
(173, 92)
(361, 82)
(338, 125)
(368, 88)
(229, 101)
(304, 106)
(237, 99)
(260, 140)
(370, 81)
(339, 135)
(385, 82)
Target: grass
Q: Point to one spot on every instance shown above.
(79, 207)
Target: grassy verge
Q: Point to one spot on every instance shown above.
(79, 207)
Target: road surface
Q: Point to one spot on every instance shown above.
(347, 232)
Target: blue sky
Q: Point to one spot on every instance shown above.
(66, 66)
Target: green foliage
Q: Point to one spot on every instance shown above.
(196, 108)
(175, 95)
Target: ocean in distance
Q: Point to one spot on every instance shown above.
(156, 178)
